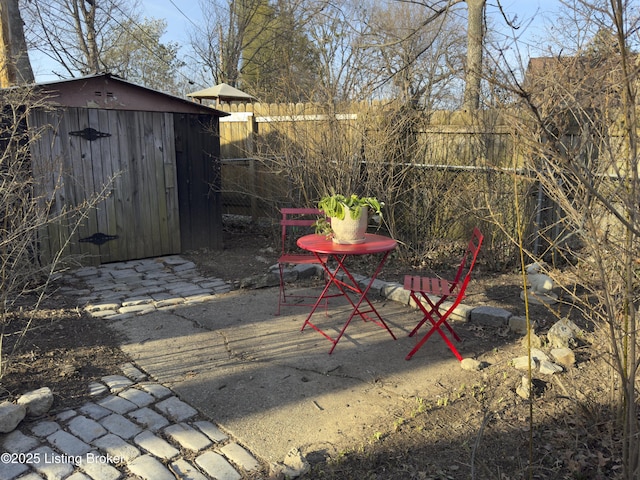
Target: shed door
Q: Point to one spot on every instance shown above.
(120, 163)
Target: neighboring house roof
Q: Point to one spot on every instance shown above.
(111, 92)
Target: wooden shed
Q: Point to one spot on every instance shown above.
(151, 159)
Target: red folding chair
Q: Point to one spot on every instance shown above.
(296, 222)
(429, 294)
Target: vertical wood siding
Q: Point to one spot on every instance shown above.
(132, 174)
(199, 181)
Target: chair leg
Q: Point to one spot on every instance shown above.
(282, 298)
(435, 326)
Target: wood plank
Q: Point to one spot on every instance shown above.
(171, 185)
(155, 196)
(183, 176)
(95, 181)
(148, 197)
(136, 222)
(105, 209)
(112, 171)
(120, 126)
(198, 183)
(79, 186)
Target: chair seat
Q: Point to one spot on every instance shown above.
(432, 285)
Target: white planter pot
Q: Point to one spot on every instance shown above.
(348, 230)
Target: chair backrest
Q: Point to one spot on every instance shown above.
(296, 222)
(463, 275)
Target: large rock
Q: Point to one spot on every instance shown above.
(563, 334)
(490, 316)
(270, 279)
(38, 402)
(10, 416)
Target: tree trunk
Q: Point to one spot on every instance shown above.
(475, 40)
(15, 68)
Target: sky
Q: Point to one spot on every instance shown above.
(179, 16)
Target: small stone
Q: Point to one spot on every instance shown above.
(524, 389)
(44, 428)
(522, 363)
(117, 447)
(148, 418)
(211, 431)
(119, 425)
(37, 402)
(132, 372)
(85, 428)
(148, 467)
(117, 383)
(96, 389)
(67, 443)
(240, 456)
(214, 465)
(564, 356)
(183, 469)
(176, 409)
(395, 292)
(471, 364)
(306, 270)
(294, 465)
(10, 416)
(155, 445)
(549, 368)
(533, 339)
(539, 355)
(519, 325)
(18, 442)
(187, 437)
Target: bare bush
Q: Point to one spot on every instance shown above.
(26, 275)
(582, 136)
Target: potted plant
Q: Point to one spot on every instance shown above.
(349, 216)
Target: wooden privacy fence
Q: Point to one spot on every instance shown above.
(255, 137)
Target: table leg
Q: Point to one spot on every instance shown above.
(355, 288)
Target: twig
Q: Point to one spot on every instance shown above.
(485, 420)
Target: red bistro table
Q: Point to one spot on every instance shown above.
(321, 245)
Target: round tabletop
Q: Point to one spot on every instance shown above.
(373, 243)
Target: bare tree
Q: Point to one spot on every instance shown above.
(582, 135)
(475, 46)
(137, 54)
(90, 37)
(226, 32)
(15, 68)
(422, 61)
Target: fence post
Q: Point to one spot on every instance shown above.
(254, 186)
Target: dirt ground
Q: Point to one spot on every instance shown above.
(481, 430)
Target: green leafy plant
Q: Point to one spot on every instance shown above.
(337, 206)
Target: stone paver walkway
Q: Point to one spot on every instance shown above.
(133, 427)
(125, 289)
